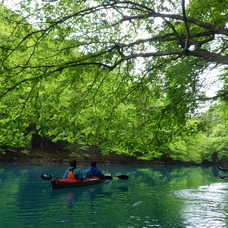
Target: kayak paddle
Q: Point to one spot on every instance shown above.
(47, 177)
(123, 177)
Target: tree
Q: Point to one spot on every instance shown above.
(214, 147)
(137, 62)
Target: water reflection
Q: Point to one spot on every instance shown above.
(205, 206)
(74, 195)
(74, 202)
(153, 196)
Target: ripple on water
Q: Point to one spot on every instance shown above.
(205, 206)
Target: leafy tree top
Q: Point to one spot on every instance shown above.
(128, 70)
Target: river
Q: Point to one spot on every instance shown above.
(153, 196)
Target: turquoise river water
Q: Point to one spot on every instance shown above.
(153, 196)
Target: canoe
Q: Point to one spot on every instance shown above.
(72, 183)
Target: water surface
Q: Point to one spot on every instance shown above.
(153, 196)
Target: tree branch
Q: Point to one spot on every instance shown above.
(220, 95)
(186, 26)
(209, 56)
(208, 26)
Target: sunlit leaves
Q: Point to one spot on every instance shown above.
(122, 75)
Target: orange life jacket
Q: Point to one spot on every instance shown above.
(70, 174)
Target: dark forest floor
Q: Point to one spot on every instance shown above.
(63, 156)
(60, 155)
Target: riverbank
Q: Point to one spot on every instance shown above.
(56, 155)
(53, 154)
(63, 156)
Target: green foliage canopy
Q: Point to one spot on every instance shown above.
(124, 75)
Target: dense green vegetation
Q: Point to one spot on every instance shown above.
(122, 75)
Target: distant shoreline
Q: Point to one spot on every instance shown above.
(59, 155)
(63, 158)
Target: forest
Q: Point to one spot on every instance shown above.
(129, 77)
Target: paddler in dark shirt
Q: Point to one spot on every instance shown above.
(93, 171)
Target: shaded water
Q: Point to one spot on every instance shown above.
(153, 196)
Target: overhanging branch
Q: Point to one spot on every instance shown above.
(219, 95)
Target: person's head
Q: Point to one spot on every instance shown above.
(93, 164)
(73, 163)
